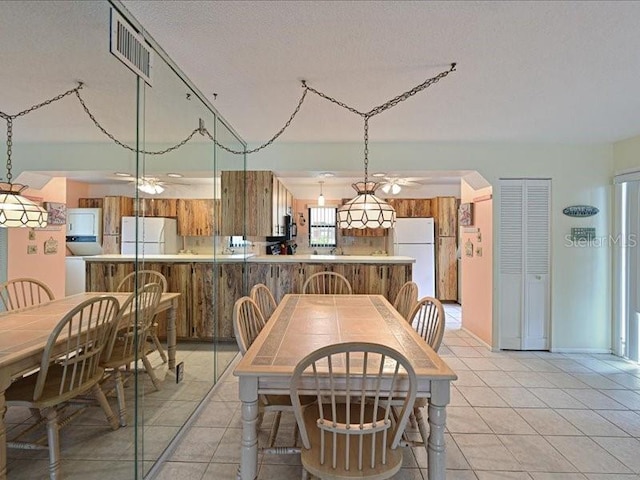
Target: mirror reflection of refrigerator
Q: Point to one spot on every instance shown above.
(155, 235)
(414, 237)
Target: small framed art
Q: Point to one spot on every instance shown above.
(465, 214)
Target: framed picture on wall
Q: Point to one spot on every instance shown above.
(57, 213)
(465, 214)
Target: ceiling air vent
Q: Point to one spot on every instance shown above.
(129, 46)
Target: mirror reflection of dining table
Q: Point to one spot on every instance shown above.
(24, 334)
(304, 323)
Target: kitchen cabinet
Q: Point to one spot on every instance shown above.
(113, 209)
(446, 269)
(280, 278)
(89, 203)
(446, 216)
(230, 288)
(253, 203)
(157, 207)
(411, 207)
(106, 276)
(198, 217)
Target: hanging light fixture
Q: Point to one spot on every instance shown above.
(152, 186)
(366, 210)
(321, 197)
(392, 188)
(15, 209)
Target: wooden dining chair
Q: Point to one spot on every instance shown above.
(261, 294)
(129, 342)
(427, 318)
(328, 283)
(247, 325)
(350, 432)
(144, 277)
(406, 299)
(69, 368)
(21, 293)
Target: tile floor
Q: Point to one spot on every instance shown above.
(513, 416)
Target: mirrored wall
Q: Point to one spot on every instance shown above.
(159, 204)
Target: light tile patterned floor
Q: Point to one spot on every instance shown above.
(513, 416)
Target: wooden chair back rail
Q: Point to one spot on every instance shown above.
(247, 322)
(327, 283)
(87, 328)
(24, 292)
(428, 319)
(406, 299)
(261, 294)
(355, 404)
(143, 277)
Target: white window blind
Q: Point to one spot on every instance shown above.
(322, 227)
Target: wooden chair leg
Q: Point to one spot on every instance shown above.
(106, 408)
(159, 347)
(122, 409)
(53, 439)
(422, 427)
(150, 372)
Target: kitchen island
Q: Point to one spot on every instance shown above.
(210, 285)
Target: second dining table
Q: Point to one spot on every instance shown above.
(304, 323)
(24, 334)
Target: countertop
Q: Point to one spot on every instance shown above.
(251, 258)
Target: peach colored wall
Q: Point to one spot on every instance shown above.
(477, 271)
(76, 190)
(49, 269)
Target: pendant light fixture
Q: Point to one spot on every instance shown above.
(321, 197)
(15, 209)
(366, 210)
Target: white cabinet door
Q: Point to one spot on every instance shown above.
(524, 309)
(82, 223)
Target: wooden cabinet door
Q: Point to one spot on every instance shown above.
(398, 276)
(179, 280)
(89, 203)
(275, 207)
(113, 209)
(247, 203)
(446, 269)
(110, 244)
(446, 217)
(375, 278)
(411, 207)
(230, 289)
(205, 294)
(195, 217)
(106, 276)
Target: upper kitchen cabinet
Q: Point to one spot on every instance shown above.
(411, 207)
(158, 207)
(113, 209)
(254, 203)
(445, 210)
(198, 217)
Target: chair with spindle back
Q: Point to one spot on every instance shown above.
(248, 322)
(129, 343)
(350, 432)
(144, 277)
(261, 294)
(327, 283)
(70, 368)
(406, 299)
(21, 293)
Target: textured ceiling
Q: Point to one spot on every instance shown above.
(527, 71)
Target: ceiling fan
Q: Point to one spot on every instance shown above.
(148, 185)
(393, 185)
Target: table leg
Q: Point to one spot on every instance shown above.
(249, 448)
(4, 384)
(436, 455)
(171, 334)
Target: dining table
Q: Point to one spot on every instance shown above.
(24, 334)
(304, 323)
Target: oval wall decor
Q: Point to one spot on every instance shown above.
(580, 211)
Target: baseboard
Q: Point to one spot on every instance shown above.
(580, 350)
(484, 344)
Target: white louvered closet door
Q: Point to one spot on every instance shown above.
(524, 264)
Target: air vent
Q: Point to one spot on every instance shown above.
(130, 47)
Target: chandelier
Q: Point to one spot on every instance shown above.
(15, 209)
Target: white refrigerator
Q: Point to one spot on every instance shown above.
(155, 235)
(414, 237)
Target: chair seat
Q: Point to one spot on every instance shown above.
(118, 358)
(20, 392)
(311, 457)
